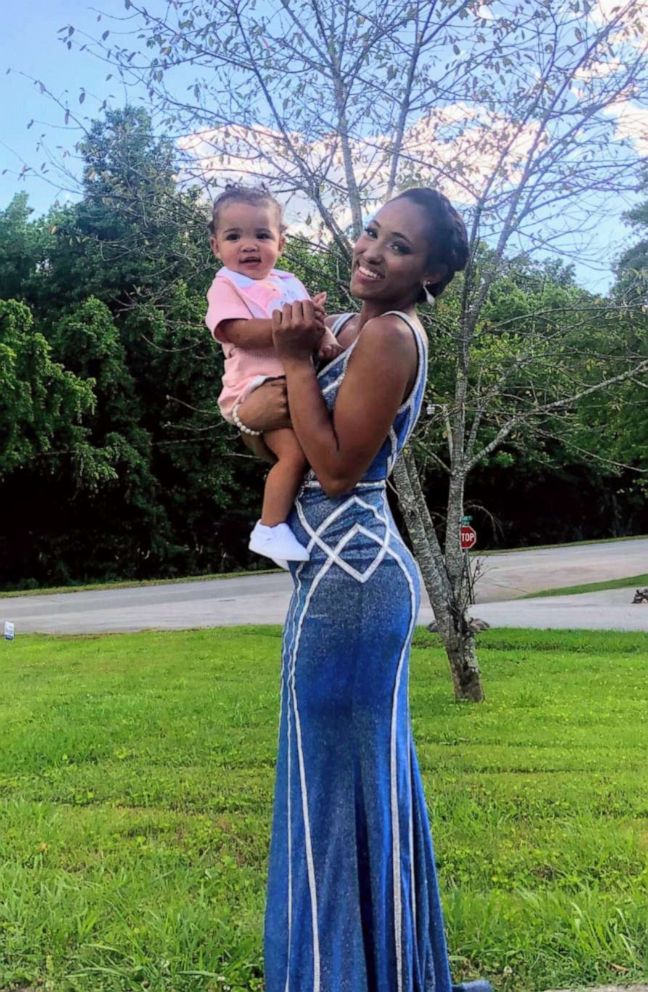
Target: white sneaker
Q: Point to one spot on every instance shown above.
(277, 542)
(282, 563)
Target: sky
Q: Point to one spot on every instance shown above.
(30, 46)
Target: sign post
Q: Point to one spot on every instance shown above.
(468, 539)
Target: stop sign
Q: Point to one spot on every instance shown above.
(468, 537)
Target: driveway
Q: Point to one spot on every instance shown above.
(264, 598)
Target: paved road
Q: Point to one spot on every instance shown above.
(609, 610)
(514, 573)
(264, 599)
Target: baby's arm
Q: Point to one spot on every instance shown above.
(253, 333)
(257, 332)
(329, 346)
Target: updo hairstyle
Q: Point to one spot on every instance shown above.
(235, 193)
(446, 234)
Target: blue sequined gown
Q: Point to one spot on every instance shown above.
(353, 903)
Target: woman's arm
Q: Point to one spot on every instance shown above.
(341, 448)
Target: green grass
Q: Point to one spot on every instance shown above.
(630, 581)
(136, 776)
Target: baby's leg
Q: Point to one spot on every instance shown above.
(284, 478)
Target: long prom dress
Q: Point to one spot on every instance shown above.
(353, 902)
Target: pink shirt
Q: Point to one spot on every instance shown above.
(233, 296)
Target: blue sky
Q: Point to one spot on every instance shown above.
(30, 44)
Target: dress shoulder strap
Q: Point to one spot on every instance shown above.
(416, 330)
(422, 356)
(340, 322)
(342, 319)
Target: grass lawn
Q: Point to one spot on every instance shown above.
(136, 777)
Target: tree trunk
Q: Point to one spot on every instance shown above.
(453, 623)
(462, 655)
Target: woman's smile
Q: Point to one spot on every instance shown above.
(366, 273)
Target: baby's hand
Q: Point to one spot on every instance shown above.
(319, 299)
(329, 346)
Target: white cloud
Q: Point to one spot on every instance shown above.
(604, 10)
(632, 123)
(455, 148)
(598, 70)
(632, 16)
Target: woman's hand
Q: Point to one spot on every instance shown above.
(297, 330)
(266, 407)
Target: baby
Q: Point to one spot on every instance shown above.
(247, 235)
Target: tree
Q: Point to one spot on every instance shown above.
(133, 233)
(18, 248)
(628, 425)
(206, 488)
(632, 268)
(540, 478)
(116, 291)
(508, 108)
(88, 343)
(41, 404)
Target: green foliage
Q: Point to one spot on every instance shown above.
(87, 341)
(116, 283)
(208, 487)
(628, 421)
(18, 247)
(566, 474)
(42, 404)
(632, 268)
(134, 233)
(321, 271)
(136, 776)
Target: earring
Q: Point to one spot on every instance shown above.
(428, 295)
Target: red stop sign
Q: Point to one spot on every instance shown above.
(468, 537)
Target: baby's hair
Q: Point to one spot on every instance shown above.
(234, 193)
(446, 234)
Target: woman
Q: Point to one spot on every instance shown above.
(353, 904)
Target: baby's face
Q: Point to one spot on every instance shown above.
(248, 238)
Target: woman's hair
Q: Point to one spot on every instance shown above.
(446, 233)
(257, 197)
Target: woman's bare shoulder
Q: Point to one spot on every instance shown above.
(390, 332)
(385, 351)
